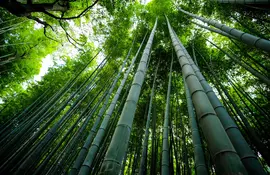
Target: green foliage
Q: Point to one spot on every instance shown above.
(114, 25)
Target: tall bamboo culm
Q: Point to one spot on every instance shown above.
(165, 163)
(222, 151)
(143, 163)
(242, 36)
(85, 169)
(117, 148)
(247, 156)
(200, 165)
(254, 72)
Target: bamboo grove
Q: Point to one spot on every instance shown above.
(175, 92)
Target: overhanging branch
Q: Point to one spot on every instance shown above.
(45, 24)
(73, 17)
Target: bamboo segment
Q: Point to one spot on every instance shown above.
(143, 166)
(89, 139)
(200, 165)
(252, 133)
(85, 169)
(222, 151)
(257, 74)
(242, 36)
(165, 142)
(247, 156)
(117, 148)
(214, 30)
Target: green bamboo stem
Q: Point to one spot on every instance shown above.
(251, 30)
(249, 56)
(253, 135)
(222, 151)
(178, 125)
(214, 30)
(154, 145)
(175, 129)
(247, 156)
(251, 100)
(242, 36)
(257, 74)
(117, 148)
(86, 166)
(43, 110)
(83, 153)
(200, 164)
(79, 134)
(49, 156)
(165, 142)
(143, 166)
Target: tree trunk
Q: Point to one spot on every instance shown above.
(249, 56)
(143, 162)
(83, 153)
(154, 151)
(200, 165)
(89, 116)
(37, 117)
(250, 69)
(260, 146)
(116, 151)
(79, 134)
(224, 155)
(249, 160)
(165, 168)
(85, 169)
(214, 30)
(19, 9)
(242, 36)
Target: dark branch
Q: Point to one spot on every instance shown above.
(45, 24)
(45, 34)
(40, 21)
(73, 17)
(69, 38)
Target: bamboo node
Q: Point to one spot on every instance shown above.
(224, 151)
